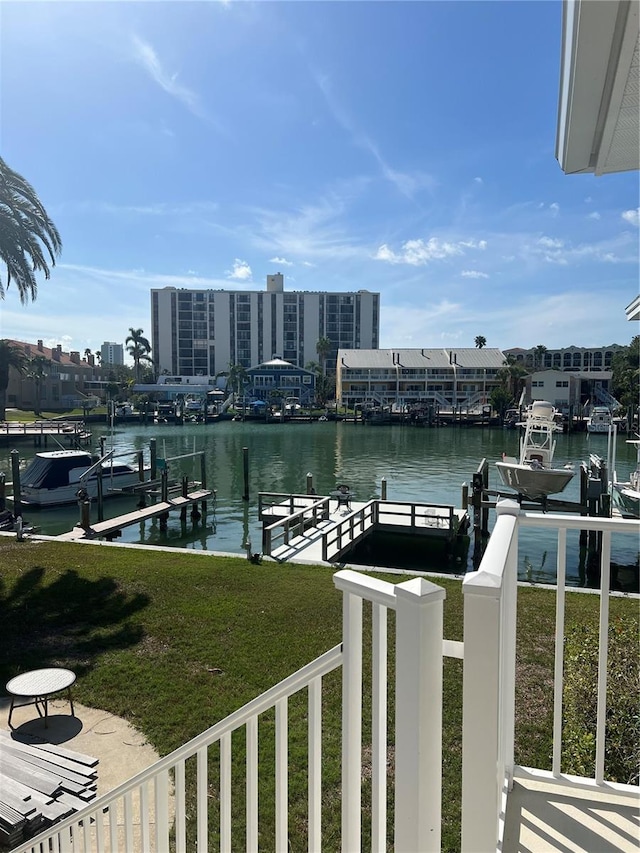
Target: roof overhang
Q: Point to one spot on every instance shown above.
(598, 113)
(633, 309)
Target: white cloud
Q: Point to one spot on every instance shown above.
(420, 252)
(550, 243)
(594, 215)
(478, 181)
(473, 274)
(282, 261)
(241, 271)
(146, 56)
(554, 208)
(408, 184)
(632, 216)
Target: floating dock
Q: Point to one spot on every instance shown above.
(325, 529)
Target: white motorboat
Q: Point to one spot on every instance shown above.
(626, 493)
(58, 477)
(533, 473)
(600, 420)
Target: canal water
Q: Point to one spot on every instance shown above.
(419, 464)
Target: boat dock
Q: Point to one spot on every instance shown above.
(324, 529)
(71, 433)
(112, 528)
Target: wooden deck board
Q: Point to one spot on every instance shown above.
(35, 791)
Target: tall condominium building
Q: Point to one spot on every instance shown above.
(111, 353)
(202, 332)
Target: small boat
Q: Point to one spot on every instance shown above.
(533, 474)
(600, 420)
(58, 477)
(626, 494)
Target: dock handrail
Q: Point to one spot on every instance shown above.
(295, 523)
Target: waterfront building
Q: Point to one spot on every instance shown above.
(202, 332)
(66, 380)
(568, 390)
(277, 377)
(111, 353)
(576, 359)
(462, 377)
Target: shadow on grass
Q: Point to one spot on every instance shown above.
(66, 622)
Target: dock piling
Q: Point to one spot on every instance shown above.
(310, 489)
(245, 467)
(383, 489)
(15, 476)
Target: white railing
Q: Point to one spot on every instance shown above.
(139, 814)
(490, 609)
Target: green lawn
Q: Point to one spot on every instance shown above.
(176, 641)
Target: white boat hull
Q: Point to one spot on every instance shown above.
(534, 483)
(627, 500)
(62, 495)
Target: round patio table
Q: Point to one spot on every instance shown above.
(37, 686)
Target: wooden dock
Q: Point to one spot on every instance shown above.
(112, 527)
(40, 784)
(323, 530)
(71, 433)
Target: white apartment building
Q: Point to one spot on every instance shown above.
(446, 377)
(575, 359)
(202, 332)
(111, 353)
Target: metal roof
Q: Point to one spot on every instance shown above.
(487, 357)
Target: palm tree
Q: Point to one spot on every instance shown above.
(480, 341)
(29, 241)
(11, 356)
(37, 372)
(237, 378)
(323, 348)
(538, 355)
(139, 349)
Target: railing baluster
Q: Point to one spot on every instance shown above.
(282, 787)
(252, 784)
(351, 721)
(559, 652)
(605, 570)
(162, 811)
(145, 828)
(100, 831)
(113, 826)
(181, 822)
(315, 765)
(128, 821)
(379, 731)
(225, 793)
(202, 792)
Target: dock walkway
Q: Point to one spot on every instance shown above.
(113, 526)
(322, 530)
(74, 433)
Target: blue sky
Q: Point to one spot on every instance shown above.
(401, 147)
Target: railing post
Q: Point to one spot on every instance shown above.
(418, 787)
(351, 722)
(488, 684)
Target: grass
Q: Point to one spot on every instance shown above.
(175, 642)
(23, 416)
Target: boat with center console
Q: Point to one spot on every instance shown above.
(58, 477)
(533, 474)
